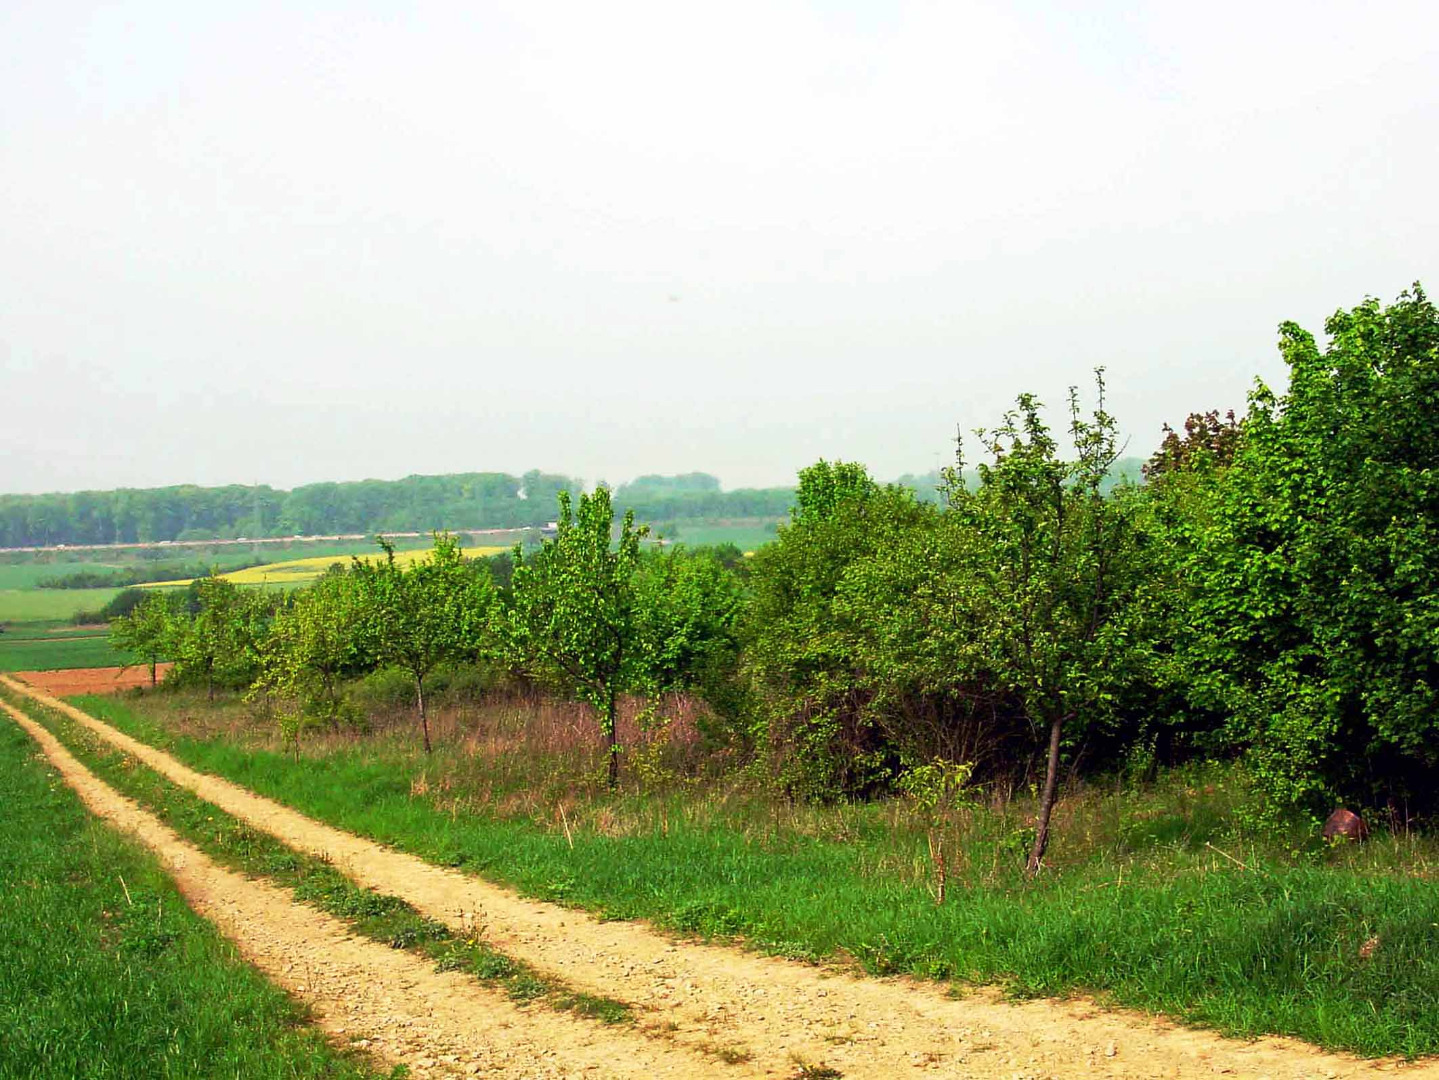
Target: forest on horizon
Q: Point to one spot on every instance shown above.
(457, 501)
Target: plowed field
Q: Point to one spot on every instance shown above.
(95, 680)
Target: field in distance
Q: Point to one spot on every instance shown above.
(50, 605)
(302, 571)
(54, 645)
(36, 618)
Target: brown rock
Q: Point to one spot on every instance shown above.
(1345, 823)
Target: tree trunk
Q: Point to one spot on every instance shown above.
(1046, 802)
(210, 680)
(152, 672)
(612, 730)
(420, 702)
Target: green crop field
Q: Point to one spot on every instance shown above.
(291, 572)
(33, 605)
(745, 535)
(27, 574)
(27, 651)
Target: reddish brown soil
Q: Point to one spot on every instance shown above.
(91, 680)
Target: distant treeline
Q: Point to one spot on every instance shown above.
(414, 504)
(457, 501)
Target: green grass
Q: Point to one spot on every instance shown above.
(386, 919)
(24, 648)
(33, 605)
(1338, 948)
(29, 573)
(43, 628)
(104, 972)
(745, 535)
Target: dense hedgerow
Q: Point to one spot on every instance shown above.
(1269, 591)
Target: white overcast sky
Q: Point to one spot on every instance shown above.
(288, 242)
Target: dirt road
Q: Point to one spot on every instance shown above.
(776, 1012)
(385, 1000)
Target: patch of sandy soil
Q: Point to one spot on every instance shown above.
(776, 1011)
(92, 680)
(386, 1001)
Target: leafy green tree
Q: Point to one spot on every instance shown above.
(219, 641)
(804, 648)
(314, 641)
(146, 632)
(1045, 595)
(688, 607)
(577, 619)
(1312, 566)
(419, 616)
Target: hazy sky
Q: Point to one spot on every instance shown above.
(286, 242)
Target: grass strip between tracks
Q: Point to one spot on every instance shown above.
(104, 970)
(314, 881)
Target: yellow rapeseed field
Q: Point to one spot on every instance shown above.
(300, 571)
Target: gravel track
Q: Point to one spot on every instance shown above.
(386, 1001)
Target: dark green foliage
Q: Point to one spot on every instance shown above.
(415, 504)
(122, 603)
(1309, 566)
(139, 575)
(215, 634)
(698, 495)
(802, 646)
(652, 485)
(888, 634)
(689, 603)
(1268, 592)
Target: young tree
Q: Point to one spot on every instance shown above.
(218, 639)
(576, 619)
(804, 647)
(419, 616)
(1045, 584)
(146, 632)
(313, 642)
